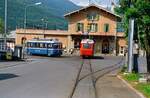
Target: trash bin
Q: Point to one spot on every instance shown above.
(9, 55)
(18, 52)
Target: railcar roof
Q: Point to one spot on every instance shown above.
(44, 41)
(87, 41)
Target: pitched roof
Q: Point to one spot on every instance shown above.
(92, 5)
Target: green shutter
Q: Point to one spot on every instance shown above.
(77, 27)
(96, 27)
(80, 27)
(97, 17)
(106, 27)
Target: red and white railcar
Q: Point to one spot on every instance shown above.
(87, 48)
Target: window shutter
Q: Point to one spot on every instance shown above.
(77, 26)
(80, 27)
(106, 27)
(96, 28)
(97, 17)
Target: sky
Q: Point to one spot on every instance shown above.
(103, 3)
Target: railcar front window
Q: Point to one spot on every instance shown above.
(55, 46)
(86, 46)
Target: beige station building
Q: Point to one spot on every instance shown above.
(99, 23)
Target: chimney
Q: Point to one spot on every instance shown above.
(112, 6)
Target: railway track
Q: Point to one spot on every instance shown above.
(94, 75)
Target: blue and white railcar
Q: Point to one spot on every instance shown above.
(47, 47)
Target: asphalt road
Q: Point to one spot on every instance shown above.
(45, 77)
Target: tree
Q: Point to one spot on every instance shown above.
(1, 27)
(140, 11)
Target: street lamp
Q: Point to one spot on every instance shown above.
(25, 13)
(44, 22)
(5, 33)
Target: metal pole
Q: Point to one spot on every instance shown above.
(130, 48)
(25, 19)
(25, 14)
(5, 22)
(43, 22)
(115, 42)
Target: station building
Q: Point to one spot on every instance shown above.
(97, 22)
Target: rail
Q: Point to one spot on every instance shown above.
(92, 74)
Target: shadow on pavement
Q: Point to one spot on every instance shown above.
(7, 76)
(94, 57)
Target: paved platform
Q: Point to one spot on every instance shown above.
(112, 87)
(47, 77)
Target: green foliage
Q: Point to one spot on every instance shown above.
(131, 77)
(51, 11)
(133, 80)
(140, 11)
(132, 13)
(1, 26)
(145, 89)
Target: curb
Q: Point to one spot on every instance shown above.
(127, 84)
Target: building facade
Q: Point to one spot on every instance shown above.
(92, 22)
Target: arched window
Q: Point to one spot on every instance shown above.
(77, 43)
(23, 40)
(105, 46)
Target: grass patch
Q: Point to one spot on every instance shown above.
(144, 88)
(133, 80)
(131, 77)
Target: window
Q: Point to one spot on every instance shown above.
(49, 45)
(76, 44)
(92, 27)
(93, 16)
(80, 27)
(60, 46)
(28, 45)
(23, 40)
(41, 45)
(106, 27)
(44, 45)
(86, 46)
(32, 45)
(120, 27)
(122, 50)
(55, 46)
(37, 45)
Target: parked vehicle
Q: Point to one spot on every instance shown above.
(87, 48)
(48, 47)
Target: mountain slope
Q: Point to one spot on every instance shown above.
(51, 11)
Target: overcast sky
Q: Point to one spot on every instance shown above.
(85, 2)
